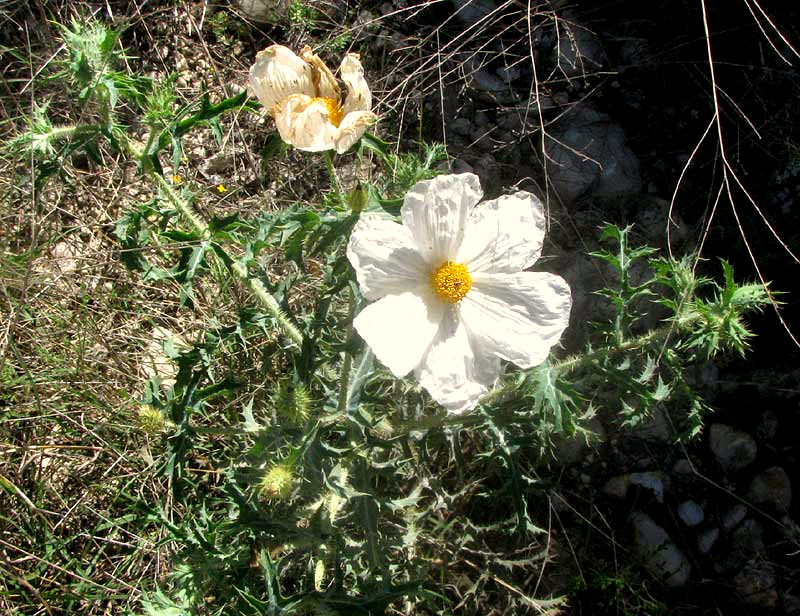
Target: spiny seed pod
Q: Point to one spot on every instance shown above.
(319, 575)
(151, 420)
(277, 482)
(292, 403)
(384, 428)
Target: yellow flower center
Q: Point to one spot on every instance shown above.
(335, 111)
(452, 281)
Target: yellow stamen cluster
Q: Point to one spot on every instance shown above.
(335, 111)
(452, 281)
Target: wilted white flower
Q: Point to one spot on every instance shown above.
(303, 96)
(452, 299)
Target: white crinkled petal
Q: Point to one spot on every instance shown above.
(303, 123)
(323, 79)
(399, 329)
(504, 235)
(517, 317)
(352, 127)
(278, 73)
(358, 98)
(385, 258)
(452, 372)
(436, 211)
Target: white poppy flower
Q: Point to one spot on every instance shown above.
(302, 95)
(452, 299)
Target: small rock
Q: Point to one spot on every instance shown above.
(732, 517)
(755, 584)
(682, 467)
(484, 80)
(747, 540)
(772, 488)
(691, 513)
(568, 450)
(655, 428)
(744, 544)
(587, 152)
(790, 529)
(559, 503)
(461, 166)
(617, 486)
(267, 11)
(460, 126)
(486, 168)
(791, 605)
(579, 49)
(707, 539)
(220, 163)
(767, 427)
(732, 449)
(660, 555)
(655, 217)
(508, 73)
(471, 12)
(652, 480)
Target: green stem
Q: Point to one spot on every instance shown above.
(202, 229)
(364, 504)
(198, 224)
(265, 299)
(562, 367)
(336, 185)
(60, 132)
(570, 364)
(344, 377)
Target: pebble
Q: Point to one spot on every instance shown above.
(772, 488)
(691, 513)
(587, 152)
(682, 467)
(732, 449)
(791, 605)
(748, 538)
(767, 427)
(707, 539)
(460, 126)
(732, 517)
(473, 12)
(755, 584)
(661, 557)
(266, 11)
(579, 50)
(656, 428)
(617, 486)
(652, 480)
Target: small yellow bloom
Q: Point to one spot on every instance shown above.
(303, 96)
(221, 188)
(176, 179)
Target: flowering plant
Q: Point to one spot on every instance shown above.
(452, 297)
(301, 479)
(303, 96)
